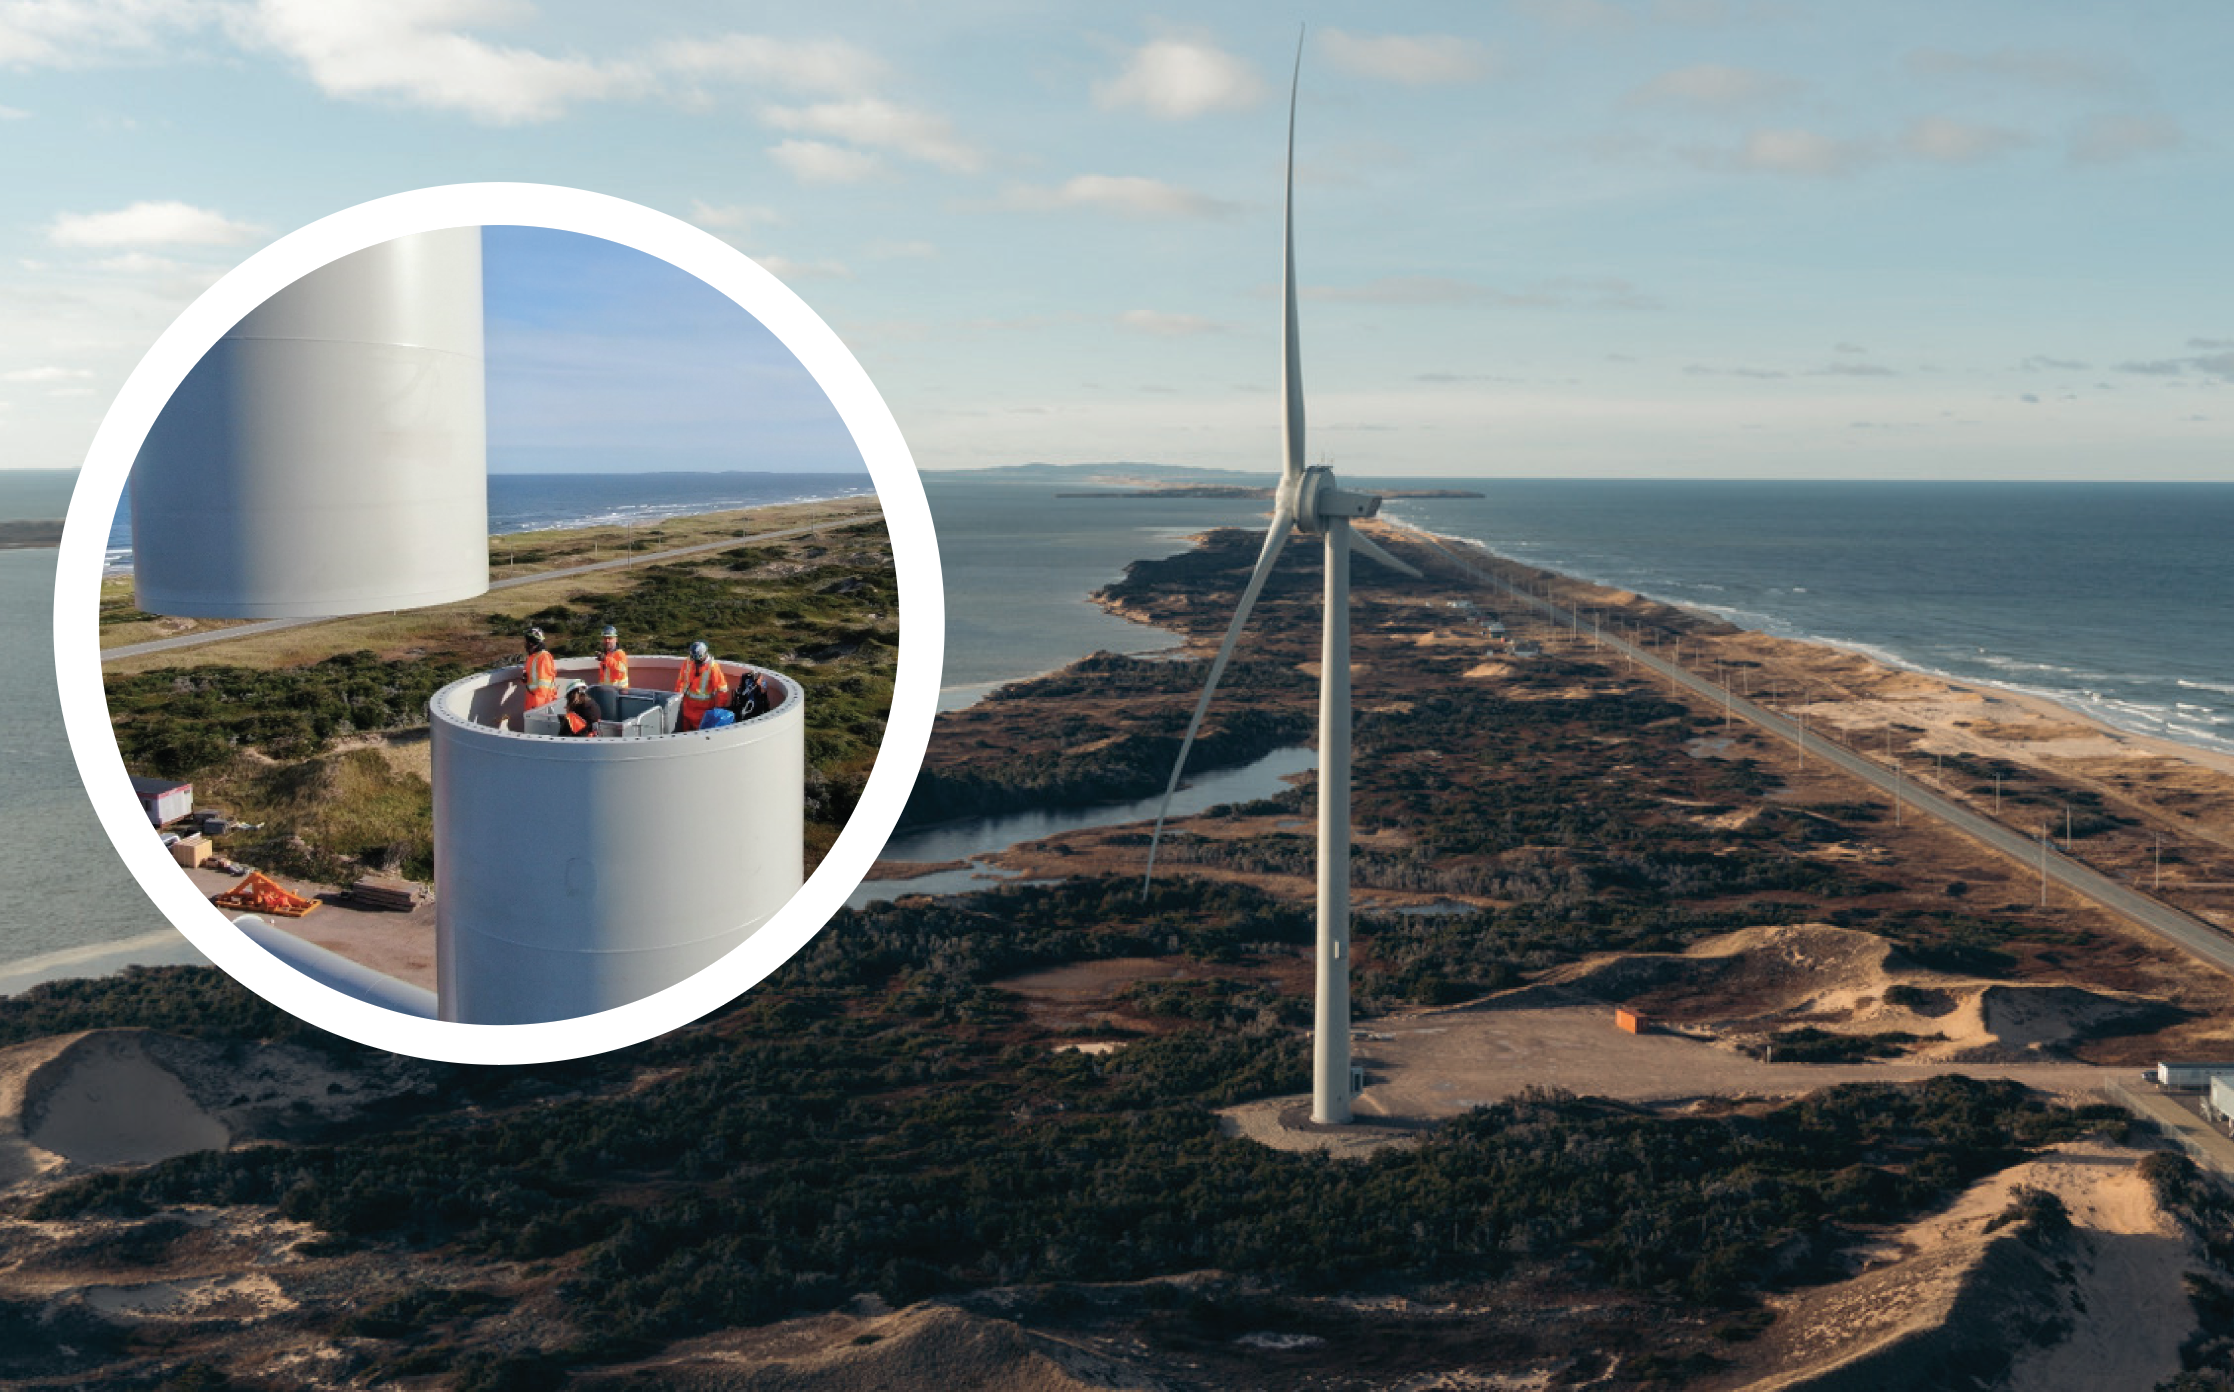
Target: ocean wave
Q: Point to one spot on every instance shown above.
(2104, 696)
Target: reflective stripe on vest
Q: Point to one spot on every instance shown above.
(700, 683)
(612, 668)
(542, 672)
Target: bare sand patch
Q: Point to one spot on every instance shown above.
(131, 1096)
(398, 944)
(926, 1345)
(1742, 988)
(103, 1101)
(1960, 1292)
(1436, 1064)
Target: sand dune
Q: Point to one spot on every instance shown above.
(927, 1345)
(1743, 987)
(1957, 1300)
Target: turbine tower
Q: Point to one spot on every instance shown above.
(1311, 501)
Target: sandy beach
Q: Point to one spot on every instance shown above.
(2162, 812)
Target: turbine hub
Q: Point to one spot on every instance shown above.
(1317, 499)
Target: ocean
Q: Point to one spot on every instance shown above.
(2116, 599)
(544, 502)
(2111, 597)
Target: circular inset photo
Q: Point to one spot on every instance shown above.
(498, 623)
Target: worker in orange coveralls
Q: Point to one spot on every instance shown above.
(539, 671)
(703, 684)
(612, 663)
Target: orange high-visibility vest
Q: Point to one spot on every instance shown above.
(703, 689)
(701, 683)
(577, 724)
(612, 668)
(541, 674)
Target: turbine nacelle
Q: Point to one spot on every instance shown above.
(1314, 498)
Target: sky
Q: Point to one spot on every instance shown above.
(604, 359)
(1536, 238)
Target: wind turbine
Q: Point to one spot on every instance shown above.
(1309, 500)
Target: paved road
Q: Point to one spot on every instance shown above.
(2183, 930)
(221, 635)
(2205, 1143)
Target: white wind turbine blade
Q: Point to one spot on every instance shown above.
(1366, 546)
(1291, 358)
(1274, 538)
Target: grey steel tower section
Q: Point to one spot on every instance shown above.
(575, 875)
(329, 454)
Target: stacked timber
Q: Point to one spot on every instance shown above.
(385, 892)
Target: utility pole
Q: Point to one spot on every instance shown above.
(2043, 865)
(2067, 828)
(1997, 795)
(2160, 860)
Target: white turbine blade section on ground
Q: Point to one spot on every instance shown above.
(1366, 546)
(1274, 538)
(1291, 360)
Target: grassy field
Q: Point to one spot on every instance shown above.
(317, 733)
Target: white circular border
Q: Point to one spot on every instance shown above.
(77, 591)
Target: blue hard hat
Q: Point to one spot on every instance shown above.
(611, 632)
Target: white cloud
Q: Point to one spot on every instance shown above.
(1130, 195)
(149, 224)
(1957, 142)
(44, 374)
(72, 33)
(1713, 86)
(813, 162)
(898, 251)
(1802, 152)
(139, 263)
(822, 65)
(1178, 79)
(416, 51)
(731, 217)
(14, 113)
(786, 269)
(880, 125)
(1416, 60)
(1167, 325)
(2113, 139)
(421, 53)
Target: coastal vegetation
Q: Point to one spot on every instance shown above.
(881, 1116)
(326, 756)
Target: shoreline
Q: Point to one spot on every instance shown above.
(112, 569)
(2154, 813)
(2118, 789)
(2062, 703)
